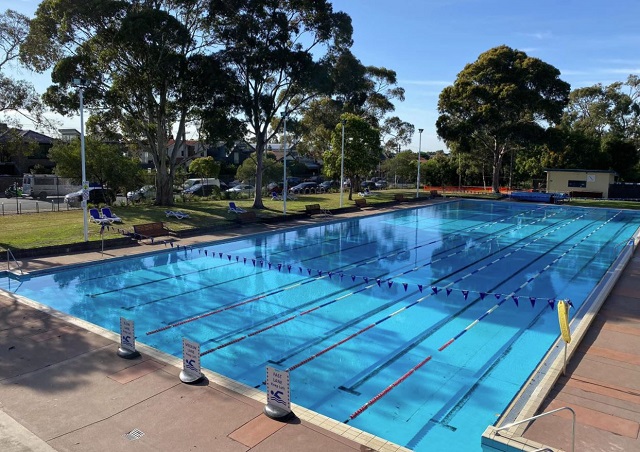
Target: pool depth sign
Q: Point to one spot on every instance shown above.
(278, 394)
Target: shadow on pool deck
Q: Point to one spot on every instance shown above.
(62, 387)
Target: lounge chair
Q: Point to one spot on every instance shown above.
(365, 193)
(235, 209)
(176, 214)
(276, 196)
(106, 213)
(97, 218)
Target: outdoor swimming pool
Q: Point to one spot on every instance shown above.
(458, 292)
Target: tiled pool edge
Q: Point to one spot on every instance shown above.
(304, 414)
(550, 369)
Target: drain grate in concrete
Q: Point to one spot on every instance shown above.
(134, 434)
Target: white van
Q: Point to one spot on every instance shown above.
(208, 181)
(41, 186)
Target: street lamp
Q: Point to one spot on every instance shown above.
(344, 121)
(419, 151)
(81, 84)
(284, 160)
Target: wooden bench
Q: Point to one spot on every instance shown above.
(156, 229)
(313, 209)
(246, 217)
(399, 197)
(361, 202)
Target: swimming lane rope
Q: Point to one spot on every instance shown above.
(364, 407)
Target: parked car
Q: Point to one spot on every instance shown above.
(97, 195)
(242, 188)
(201, 190)
(304, 187)
(329, 184)
(381, 183)
(145, 192)
(368, 184)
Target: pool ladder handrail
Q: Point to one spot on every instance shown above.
(532, 418)
(10, 255)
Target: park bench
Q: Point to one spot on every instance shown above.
(313, 209)
(361, 202)
(156, 229)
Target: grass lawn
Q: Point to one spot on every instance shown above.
(35, 230)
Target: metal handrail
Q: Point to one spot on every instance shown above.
(573, 424)
(10, 254)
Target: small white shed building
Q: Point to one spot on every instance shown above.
(580, 182)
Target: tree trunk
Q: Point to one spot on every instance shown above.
(497, 166)
(257, 201)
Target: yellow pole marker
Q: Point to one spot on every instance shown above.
(563, 319)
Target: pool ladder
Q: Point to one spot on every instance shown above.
(9, 257)
(532, 418)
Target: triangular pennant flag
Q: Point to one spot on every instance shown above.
(420, 287)
(261, 263)
(319, 272)
(465, 293)
(366, 279)
(300, 268)
(289, 268)
(569, 303)
(229, 257)
(405, 285)
(237, 258)
(353, 277)
(206, 253)
(533, 301)
(435, 290)
(254, 262)
(171, 244)
(330, 274)
(497, 295)
(309, 271)
(269, 263)
(390, 283)
(515, 299)
(220, 255)
(379, 282)
(482, 295)
(244, 260)
(449, 291)
(198, 250)
(551, 302)
(279, 267)
(341, 275)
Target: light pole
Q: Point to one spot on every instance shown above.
(344, 121)
(419, 151)
(80, 84)
(284, 160)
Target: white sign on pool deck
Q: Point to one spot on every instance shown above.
(127, 335)
(278, 391)
(191, 371)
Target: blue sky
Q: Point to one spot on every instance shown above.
(428, 42)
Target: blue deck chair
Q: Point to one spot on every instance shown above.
(96, 218)
(106, 213)
(276, 196)
(235, 209)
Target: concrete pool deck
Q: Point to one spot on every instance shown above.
(62, 386)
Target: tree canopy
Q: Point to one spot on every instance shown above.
(362, 151)
(501, 102)
(280, 55)
(139, 62)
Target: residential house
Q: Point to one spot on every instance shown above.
(17, 156)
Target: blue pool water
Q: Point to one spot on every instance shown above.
(351, 307)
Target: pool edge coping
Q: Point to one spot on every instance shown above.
(551, 367)
(319, 420)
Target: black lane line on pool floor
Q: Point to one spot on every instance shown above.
(258, 297)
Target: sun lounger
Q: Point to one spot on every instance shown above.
(106, 213)
(97, 218)
(235, 209)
